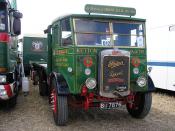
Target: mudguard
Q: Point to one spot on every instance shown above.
(151, 86)
(62, 87)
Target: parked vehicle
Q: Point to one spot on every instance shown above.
(161, 57)
(96, 61)
(10, 62)
(34, 51)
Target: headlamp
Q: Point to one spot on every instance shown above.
(91, 83)
(2, 78)
(141, 81)
(3, 92)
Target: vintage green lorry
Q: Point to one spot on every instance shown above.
(97, 60)
(10, 62)
(34, 51)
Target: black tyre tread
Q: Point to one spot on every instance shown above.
(42, 89)
(61, 116)
(11, 103)
(144, 108)
(62, 110)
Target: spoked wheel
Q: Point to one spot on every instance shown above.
(59, 106)
(141, 105)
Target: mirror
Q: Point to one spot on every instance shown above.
(17, 26)
(149, 69)
(48, 30)
(17, 15)
(17, 22)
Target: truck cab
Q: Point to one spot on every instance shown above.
(10, 62)
(97, 60)
(34, 51)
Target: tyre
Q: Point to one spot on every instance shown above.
(141, 105)
(11, 103)
(59, 106)
(43, 91)
(43, 88)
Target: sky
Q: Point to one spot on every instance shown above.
(38, 14)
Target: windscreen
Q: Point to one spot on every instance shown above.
(92, 32)
(109, 33)
(126, 34)
(3, 18)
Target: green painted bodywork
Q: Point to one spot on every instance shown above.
(34, 50)
(8, 55)
(3, 55)
(8, 46)
(13, 53)
(72, 56)
(74, 59)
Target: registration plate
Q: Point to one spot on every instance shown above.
(110, 105)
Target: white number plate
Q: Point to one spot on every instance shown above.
(110, 105)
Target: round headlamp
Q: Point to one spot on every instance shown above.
(91, 83)
(3, 92)
(141, 81)
(2, 78)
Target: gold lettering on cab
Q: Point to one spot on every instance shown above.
(115, 74)
(113, 64)
(114, 80)
(137, 52)
(60, 52)
(86, 50)
(61, 62)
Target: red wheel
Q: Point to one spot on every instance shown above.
(141, 105)
(54, 101)
(59, 105)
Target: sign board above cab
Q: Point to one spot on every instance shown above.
(115, 10)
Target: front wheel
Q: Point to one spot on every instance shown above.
(141, 105)
(59, 106)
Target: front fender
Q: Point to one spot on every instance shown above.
(151, 86)
(61, 84)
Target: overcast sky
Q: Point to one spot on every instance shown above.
(38, 14)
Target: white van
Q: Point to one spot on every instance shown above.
(161, 56)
